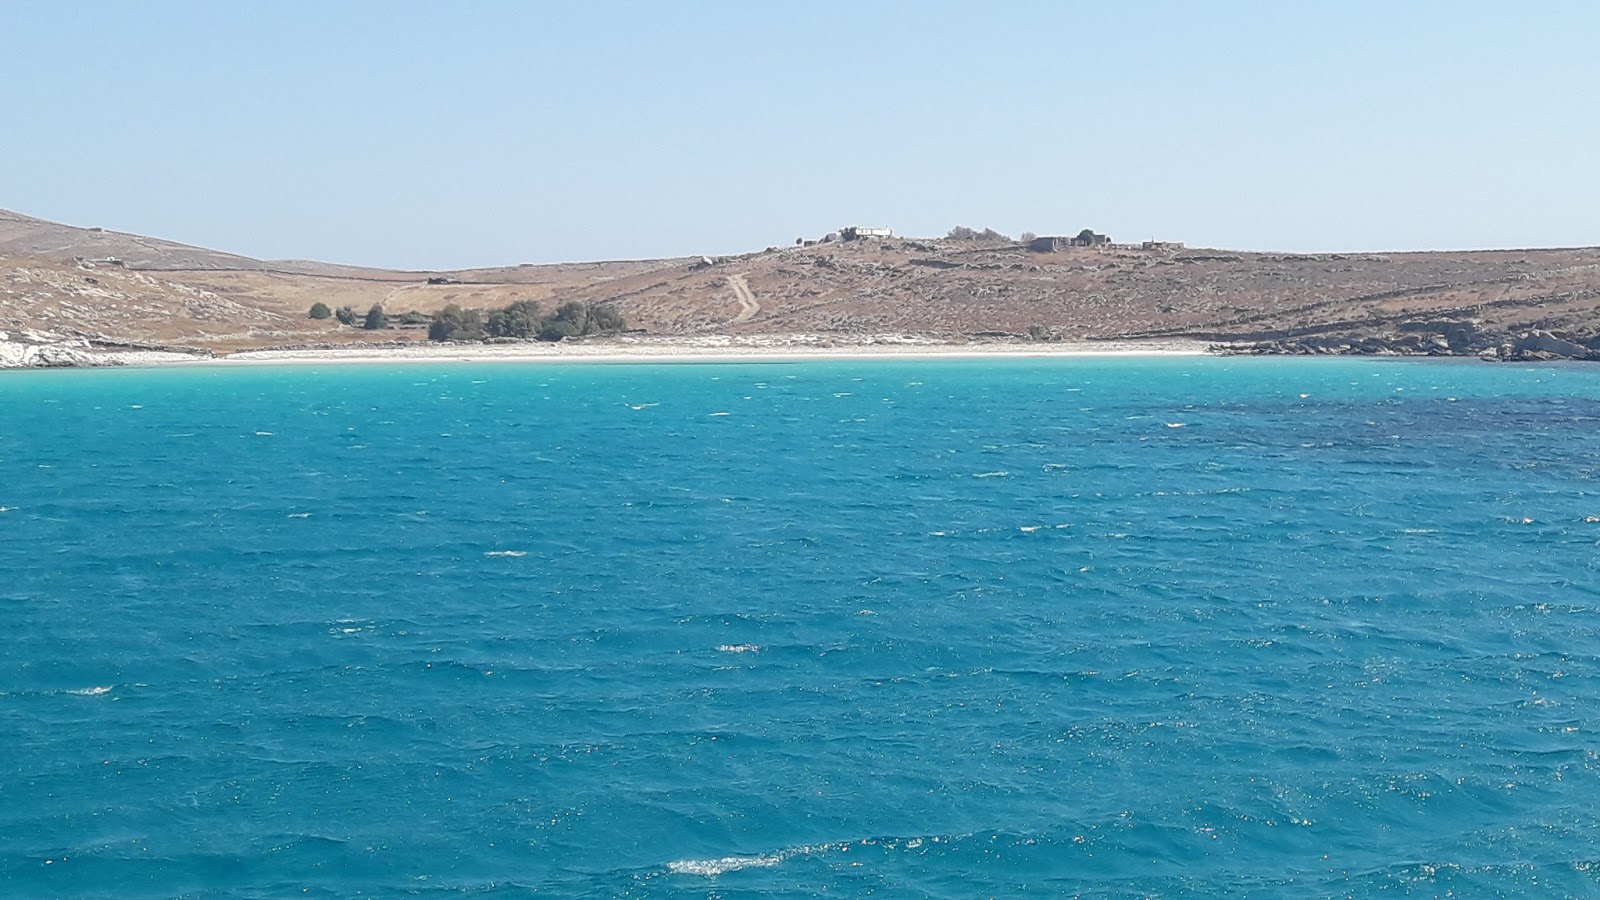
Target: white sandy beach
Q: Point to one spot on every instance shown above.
(715, 348)
(26, 350)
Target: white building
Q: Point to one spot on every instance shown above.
(857, 232)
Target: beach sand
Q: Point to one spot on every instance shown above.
(713, 348)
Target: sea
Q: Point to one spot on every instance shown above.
(1088, 627)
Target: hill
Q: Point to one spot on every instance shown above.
(116, 288)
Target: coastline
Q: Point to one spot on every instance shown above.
(657, 350)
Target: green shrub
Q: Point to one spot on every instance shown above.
(519, 320)
(557, 329)
(376, 320)
(523, 319)
(963, 233)
(604, 318)
(320, 310)
(456, 324)
(346, 315)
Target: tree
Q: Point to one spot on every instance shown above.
(445, 322)
(604, 318)
(518, 320)
(376, 320)
(456, 324)
(523, 319)
(574, 313)
(1087, 235)
(346, 315)
(556, 329)
(320, 310)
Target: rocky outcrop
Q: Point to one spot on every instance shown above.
(1456, 338)
(28, 349)
(41, 349)
(1542, 345)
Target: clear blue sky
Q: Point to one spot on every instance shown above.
(452, 134)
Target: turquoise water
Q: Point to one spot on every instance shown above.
(1179, 627)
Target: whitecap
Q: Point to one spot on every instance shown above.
(6, 508)
(300, 515)
(992, 475)
(513, 553)
(1176, 424)
(738, 648)
(263, 434)
(92, 691)
(718, 414)
(714, 867)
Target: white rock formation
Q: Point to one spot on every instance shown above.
(42, 349)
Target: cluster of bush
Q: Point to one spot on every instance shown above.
(963, 233)
(523, 319)
(374, 319)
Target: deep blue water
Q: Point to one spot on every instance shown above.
(1124, 628)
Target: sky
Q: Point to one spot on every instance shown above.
(444, 135)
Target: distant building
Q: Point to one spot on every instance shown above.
(1087, 238)
(857, 232)
(1051, 244)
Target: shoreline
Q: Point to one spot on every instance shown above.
(665, 350)
(655, 351)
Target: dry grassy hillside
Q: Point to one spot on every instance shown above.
(127, 288)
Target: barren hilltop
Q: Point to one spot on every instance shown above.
(109, 289)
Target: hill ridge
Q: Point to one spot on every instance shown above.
(118, 286)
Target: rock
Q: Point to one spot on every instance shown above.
(38, 350)
(1462, 338)
(1544, 345)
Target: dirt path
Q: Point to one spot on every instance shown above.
(748, 307)
(404, 287)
